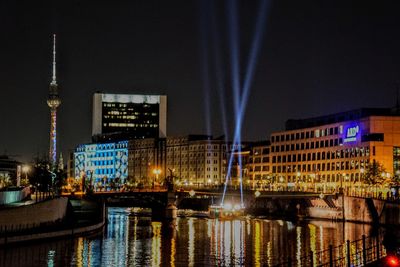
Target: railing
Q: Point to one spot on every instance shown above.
(388, 196)
(352, 253)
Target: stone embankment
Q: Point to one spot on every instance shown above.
(354, 209)
(53, 218)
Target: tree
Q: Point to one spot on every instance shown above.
(395, 182)
(375, 174)
(41, 177)
(5, 180)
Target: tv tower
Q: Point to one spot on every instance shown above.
(53, 101)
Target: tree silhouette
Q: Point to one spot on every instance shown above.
(375, 174)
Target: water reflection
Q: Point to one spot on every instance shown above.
(129, 240)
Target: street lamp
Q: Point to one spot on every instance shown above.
(26, 169)
(298, 174)
(156, 172)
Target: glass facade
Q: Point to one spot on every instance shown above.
(141, 119)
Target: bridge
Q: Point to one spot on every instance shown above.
(368, 207)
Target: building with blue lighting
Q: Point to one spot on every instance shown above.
(102, 163)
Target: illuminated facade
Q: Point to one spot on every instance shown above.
(102, 163)
(129, 116)
(195, 160)
(335, 150)
(258, 165)
(53, 101)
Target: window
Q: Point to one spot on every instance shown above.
(376, 137)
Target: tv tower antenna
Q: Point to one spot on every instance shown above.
(53, 101)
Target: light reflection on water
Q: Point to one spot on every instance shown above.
(129, 240)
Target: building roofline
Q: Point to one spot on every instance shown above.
(356, 114)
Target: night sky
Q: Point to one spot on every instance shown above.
(316, 57)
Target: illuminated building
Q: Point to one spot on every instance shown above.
(10, 170)
(53, 101)
(123, 116)
(103, 162)
(196, 160)
(258, 165)
(335, 150)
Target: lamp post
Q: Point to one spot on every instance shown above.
(341, 184)
(26, 169)
(361, 181)
(156, 172)
(298, 175)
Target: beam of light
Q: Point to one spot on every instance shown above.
(241, 106)
(220, 74)
(203, 25)
(235, 73)
(255, 48)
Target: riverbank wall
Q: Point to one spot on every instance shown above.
(54, 218)
(355, 209)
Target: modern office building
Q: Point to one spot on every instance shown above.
(195, 160)
(124, 116)
(102, 163)
(335, 150)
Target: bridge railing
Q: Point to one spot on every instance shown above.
(352, 253)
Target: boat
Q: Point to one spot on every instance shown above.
(226, 211)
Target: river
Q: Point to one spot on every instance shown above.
(130, 239)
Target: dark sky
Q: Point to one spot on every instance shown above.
(316, 57)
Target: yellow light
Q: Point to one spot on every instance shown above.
(228, 206)
(26, 168)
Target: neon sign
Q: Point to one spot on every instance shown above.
(351, 134)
